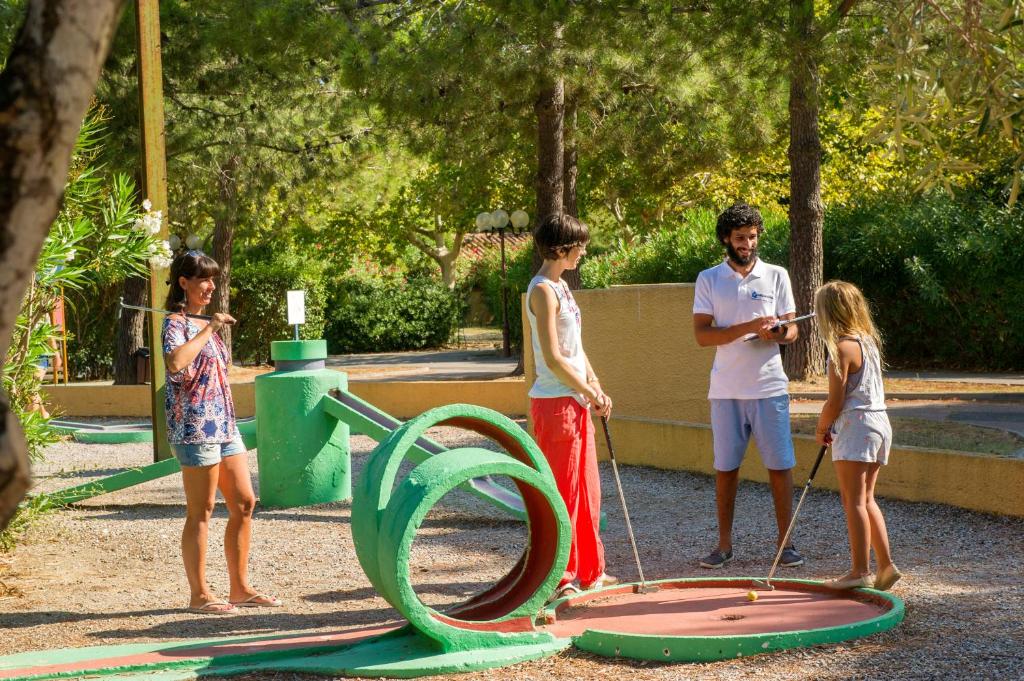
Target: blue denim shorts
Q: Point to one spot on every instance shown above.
(767, 419)
(208, 454)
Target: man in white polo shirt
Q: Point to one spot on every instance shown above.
(744, 298)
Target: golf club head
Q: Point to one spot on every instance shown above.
(766, 586)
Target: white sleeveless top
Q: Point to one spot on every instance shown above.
(570, 341)
(864, 390)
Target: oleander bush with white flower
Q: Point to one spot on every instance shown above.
(99, 237)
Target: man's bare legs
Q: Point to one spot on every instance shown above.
(726, 483)
(781, 483)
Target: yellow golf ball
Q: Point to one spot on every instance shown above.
(751, 595)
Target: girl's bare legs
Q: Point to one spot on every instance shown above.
(236, 486)
(200, 494)
(853, 484)
(879, 534)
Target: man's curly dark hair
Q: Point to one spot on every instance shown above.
(736, 216)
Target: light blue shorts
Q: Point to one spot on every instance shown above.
(208, 454)
(767, 419)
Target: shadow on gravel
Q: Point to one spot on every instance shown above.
(462, 589)
(267, 621)
(129, 512)
(87, 473)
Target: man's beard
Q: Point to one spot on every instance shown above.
(736, 258)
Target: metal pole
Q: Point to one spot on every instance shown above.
(506, 347)
(154, 187)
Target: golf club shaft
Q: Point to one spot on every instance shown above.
(796, 512)
(783, 322)
(622, 499)
(154, 309)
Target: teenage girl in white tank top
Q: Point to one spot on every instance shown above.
(562, 395)
(568, 335)
(854, 422)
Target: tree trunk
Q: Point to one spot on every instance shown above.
(569, 173)
(223, 237)
(130, 328)
(805, 357)
(44, 93)
(550, 111)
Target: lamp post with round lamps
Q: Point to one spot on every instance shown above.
(499, 221)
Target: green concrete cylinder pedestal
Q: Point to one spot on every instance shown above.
(303, 453)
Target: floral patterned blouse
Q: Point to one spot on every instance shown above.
(198, 405)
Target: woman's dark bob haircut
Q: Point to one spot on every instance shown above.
(558, 233)
(191, 265)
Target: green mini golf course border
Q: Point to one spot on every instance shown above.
(715, 648)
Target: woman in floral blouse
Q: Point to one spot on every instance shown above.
(203, 436)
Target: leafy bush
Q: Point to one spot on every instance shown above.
(941, 274)
(98, 238)
(678, 254)
(519, 269)
(390, 314)
(258, 300)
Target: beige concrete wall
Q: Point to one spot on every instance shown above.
(977, 482)
(398, 398)
(640, 342)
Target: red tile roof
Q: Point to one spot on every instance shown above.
(475, 244)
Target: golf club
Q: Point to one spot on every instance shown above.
(155, 309)
(644, 586)
(783, 322)
(767, 584)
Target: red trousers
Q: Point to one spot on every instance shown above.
(565, 433)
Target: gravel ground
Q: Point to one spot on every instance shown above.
(108, 571)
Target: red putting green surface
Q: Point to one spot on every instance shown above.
(711, 611)
(708, 619)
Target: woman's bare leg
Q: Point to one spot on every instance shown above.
(236, 486)
(200, 484)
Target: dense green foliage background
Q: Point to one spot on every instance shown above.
(324, 137)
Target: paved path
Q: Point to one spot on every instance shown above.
(960, 377)
(428, 365)
(1008, 417)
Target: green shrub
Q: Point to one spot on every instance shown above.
(519, 270)
(941, 274)
(259, 302)
(390, 314)
(678, 254)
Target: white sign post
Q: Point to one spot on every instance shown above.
(296, 310)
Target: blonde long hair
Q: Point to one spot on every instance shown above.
(842, 310)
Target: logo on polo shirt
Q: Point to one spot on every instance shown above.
(762, 296)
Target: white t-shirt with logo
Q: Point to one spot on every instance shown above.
(745, 371)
